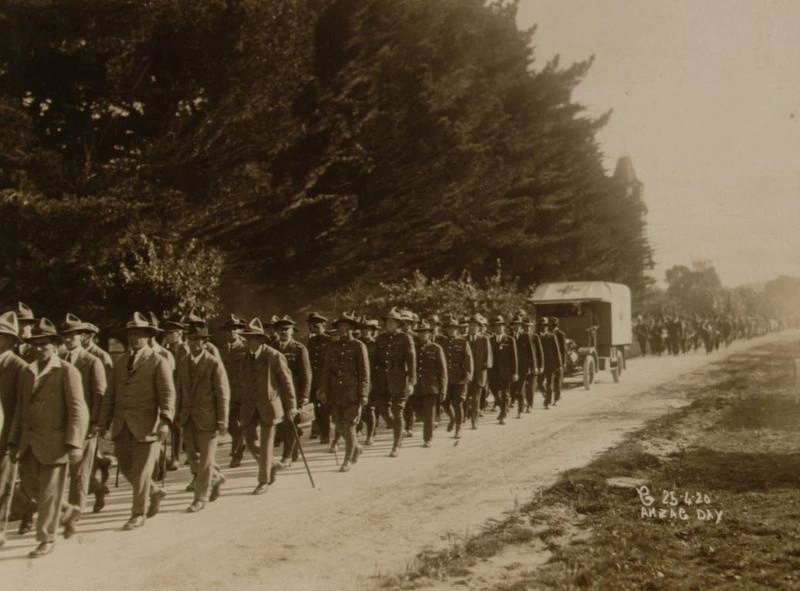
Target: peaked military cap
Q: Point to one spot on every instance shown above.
(542, 321)
(316, 318)
(451, 321)
(424, 326)
(285, 321)
(498, 320)
(348, 317)
(24, 313)
(44, 329)
(372, 323)
(72, 324)
(554, 321)
(9, 324)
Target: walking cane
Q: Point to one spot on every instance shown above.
(10, 500)
(302, 453)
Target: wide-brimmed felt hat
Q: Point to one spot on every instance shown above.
(348, 317)
(372, 323)
(195, 331)
(498, 320)
(542, 321)
(140, 322)
(254, 328)
(91, 328)
(24, 313)
(234, 323)
(408, 316)
(43, 329)
(316, 318)
(174, 322)
(194, 317)
(71, 324)
(151, 316)
(424, 326)
(435, 320)
(477, 319)
(271, 322)
(9, 324)
(518, 320)
(527, 321)
(394, 314)
(554, 321)
(285, 321)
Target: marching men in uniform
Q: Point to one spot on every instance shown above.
(503, 373)
(317, 340)
(234, 357)
(481, 349)
(300, 365)
(344, 384)
(549, 379)
(431, 378)
(459, 372)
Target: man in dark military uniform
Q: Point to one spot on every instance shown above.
(369, 332)
(344, 384)
(395, 373)
(48, 431)
(439, 339)
(431, 378)
(317, 340)
(526, 361)
(551, 361)
(536, 369)
(234, 357)
(459, 372)
(481, 349)
(11, 365)
(504, 371)
(300, 365)
(93, 379)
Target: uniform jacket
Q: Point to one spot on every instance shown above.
(431, 370)
(203, 392)
(345, 377)
(538, 352)
(11, 366)
(316, 354)
(166, 354)
(139, 398)
(551, 360)
(525, 354)
(269, 392)
(561, 339)
(459, 360)
(395, 362)
(234, 357)
(93, 379)
(481, 357)
(504, 353)
(300, 365)
(51, 412)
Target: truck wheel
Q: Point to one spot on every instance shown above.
(588, 372)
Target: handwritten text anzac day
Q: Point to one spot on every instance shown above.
(671, 506)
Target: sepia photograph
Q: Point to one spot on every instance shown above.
(382, 295)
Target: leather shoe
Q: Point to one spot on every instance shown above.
(104, 464)
(195, 507)
(100, 498)
(172, 465)
(345, 467)
(393, 453)
(155, 503)
(368, 441)
(25, 524)
(333, 447)
(235, 462)
(41, 550)
(135, 522)
(426, 444)
(284, 464)
(457, 435)
(71, 516)
(450, 426)
(356, 453)
(215, 490)
(190, 486)
(260, 489)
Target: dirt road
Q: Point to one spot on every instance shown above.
(353, 526)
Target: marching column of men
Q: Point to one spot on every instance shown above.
(172, 389)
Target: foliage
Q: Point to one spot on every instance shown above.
(317, 143)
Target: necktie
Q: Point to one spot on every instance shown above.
(131, 359)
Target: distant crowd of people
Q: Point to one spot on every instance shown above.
(670, 334)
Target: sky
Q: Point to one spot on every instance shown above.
(706, 101)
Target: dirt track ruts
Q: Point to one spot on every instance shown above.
(353, 526)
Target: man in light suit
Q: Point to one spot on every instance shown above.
(93, 379)
(49, 428)
(267, 400)
(203, 400)
(138, 408)
(11, 365)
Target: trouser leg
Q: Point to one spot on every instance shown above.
(323, 418)
(368, 416)
(428, 415)
(236, 431)
(398, 407)
(80, 475)
(44, 483)
(289, 441)
(201, 447)
(558, 376)
(6, 472)
(136, 462)
(267, 452)
(176, 442)
(408, 413)
(250, 432)
(530, 389)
